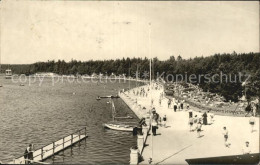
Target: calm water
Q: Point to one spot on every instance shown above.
(42, 114)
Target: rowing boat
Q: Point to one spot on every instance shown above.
(109, 96)
(119, 127)
(124, 117)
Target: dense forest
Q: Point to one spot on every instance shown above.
(233, 65)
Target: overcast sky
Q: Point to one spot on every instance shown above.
(33, 31)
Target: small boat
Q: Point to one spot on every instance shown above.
(119, 127)
(124, 117)
(111, 96)
(98, 98)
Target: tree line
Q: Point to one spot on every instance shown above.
(230, 64)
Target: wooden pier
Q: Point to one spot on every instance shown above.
(49, 150)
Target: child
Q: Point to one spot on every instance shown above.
(199, 129)
(164, 121)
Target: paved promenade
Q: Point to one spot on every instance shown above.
(176, 143)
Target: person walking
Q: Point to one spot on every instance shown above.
(169, 103)
(191, 123)
(205, 118)
(179, 106)
(225, 133)
(196, 119)
(252, 123)
(211, 117)
(190, 112)
(246, 148)
(182, 103)
(199, 125)
(164, 121)
(175, 107)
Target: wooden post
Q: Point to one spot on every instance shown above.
(63, 143)
(79, 137)
(71, 139)
(85, 132)
(42, 153)
(53, 149)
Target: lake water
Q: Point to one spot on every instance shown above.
(41, 114)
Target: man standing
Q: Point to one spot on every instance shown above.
(28, 154)
(155, 117)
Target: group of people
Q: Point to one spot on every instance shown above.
(141, 92)
(177, 104)
(246, 149)
(157, 121)
(196, 122)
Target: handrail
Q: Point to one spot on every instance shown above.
(71, 137)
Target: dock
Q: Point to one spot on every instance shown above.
(52, 149)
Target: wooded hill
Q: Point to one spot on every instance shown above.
(232, 65)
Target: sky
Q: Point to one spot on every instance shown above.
(33, 31)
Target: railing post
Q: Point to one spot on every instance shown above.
(42, 153)
(63, 143)
(53, 149)
(79, 137)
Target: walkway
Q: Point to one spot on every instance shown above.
(176, 143)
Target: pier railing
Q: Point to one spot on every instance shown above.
(55, 147)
